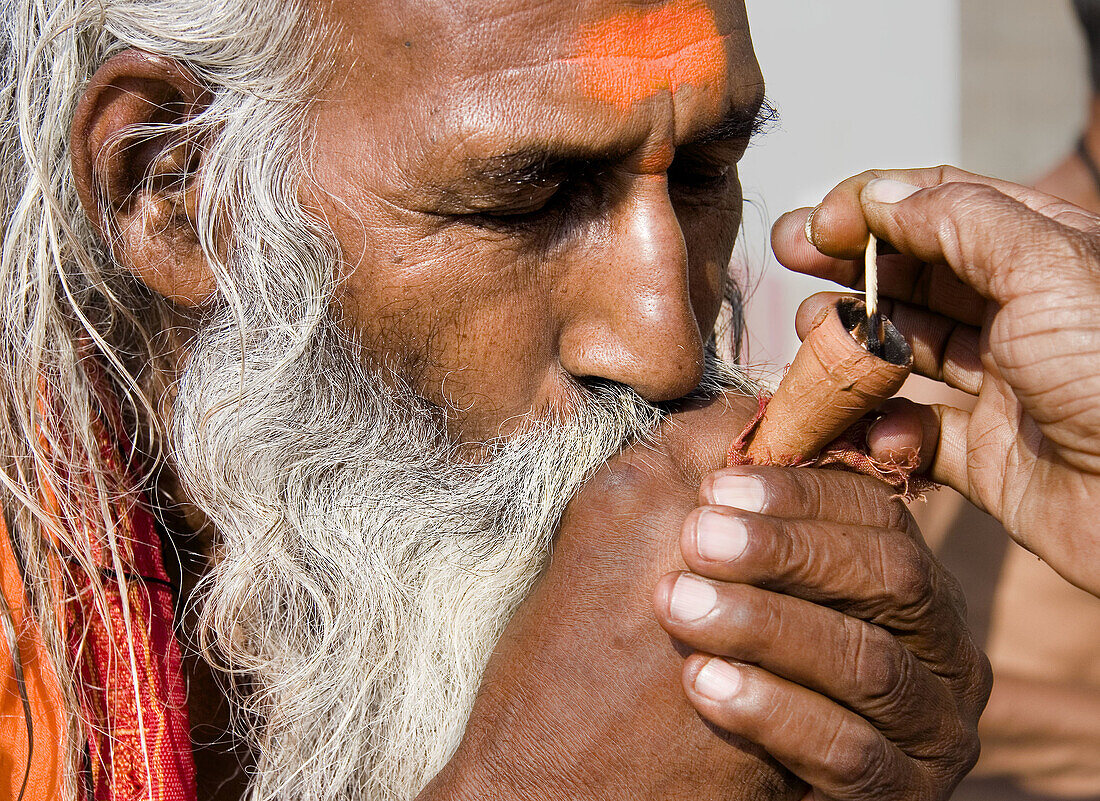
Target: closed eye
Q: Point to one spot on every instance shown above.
(521, 202)
(702, 171)
(578, 196)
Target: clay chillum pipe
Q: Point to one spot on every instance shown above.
(833, 381)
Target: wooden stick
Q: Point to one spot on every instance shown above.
(870, 272)
(875, 333)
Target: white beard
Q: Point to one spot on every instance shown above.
(364, 573)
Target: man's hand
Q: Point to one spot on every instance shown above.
(863, 679)
(998, 288)
(826, 632)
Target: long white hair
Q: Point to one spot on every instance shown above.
(66, 303)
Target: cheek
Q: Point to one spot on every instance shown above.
(465, 315)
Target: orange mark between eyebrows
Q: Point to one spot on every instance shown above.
(635, 54)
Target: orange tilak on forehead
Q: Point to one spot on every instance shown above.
(635, 54)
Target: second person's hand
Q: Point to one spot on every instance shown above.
(998, 288)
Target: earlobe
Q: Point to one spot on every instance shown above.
(137, 169)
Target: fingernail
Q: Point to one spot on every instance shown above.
(691, 598)
(886, 190)
(810, 227)
(719, 538)
(718, 680)
(740, 492)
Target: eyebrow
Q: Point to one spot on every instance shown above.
(534, 167)
(740, 123)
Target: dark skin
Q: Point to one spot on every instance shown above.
(997, 286)
(832, 568)
(516, 204)
(517, 236)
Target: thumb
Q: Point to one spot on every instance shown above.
(993, 242)
(937, 433)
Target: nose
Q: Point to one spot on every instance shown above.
(629, 313)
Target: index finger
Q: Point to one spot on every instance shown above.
(996, 244)
(807, 494)
(1001, 239)
(839, 227)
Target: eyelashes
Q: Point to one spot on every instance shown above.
(704, 172)
(700, 184)
(577, 200)
(583, 198)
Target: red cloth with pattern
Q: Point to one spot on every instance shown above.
(129, 676)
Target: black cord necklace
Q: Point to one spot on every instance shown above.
(1089, 162)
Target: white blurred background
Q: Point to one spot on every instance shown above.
(994, 86)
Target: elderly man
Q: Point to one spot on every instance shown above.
(363, 294)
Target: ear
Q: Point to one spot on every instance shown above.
(137, 174)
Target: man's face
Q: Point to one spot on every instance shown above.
(530, 193)
(524, 201)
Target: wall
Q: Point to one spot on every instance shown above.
(1023, 85)
(859, 84)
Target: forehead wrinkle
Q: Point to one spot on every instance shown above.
(530, 98)
(634, 54)
(524, 107)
